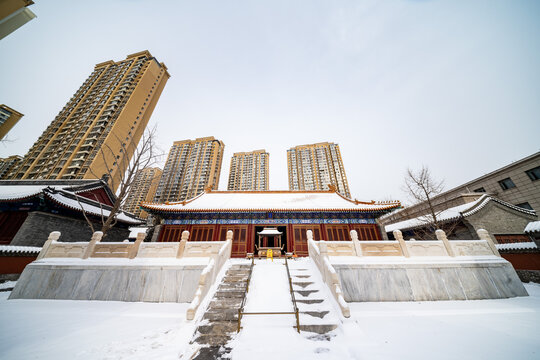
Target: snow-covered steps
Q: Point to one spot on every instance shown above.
(317, 313)
(220, 321)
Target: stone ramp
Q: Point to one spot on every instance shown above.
(220, 321)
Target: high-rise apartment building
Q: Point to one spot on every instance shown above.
(13, 15)
(249, 171)
(191, 167)
(8, 119)
(143, 188)
(8, 164)
(101, 125)
(315, 166)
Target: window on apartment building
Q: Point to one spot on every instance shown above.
(533, 174)
(507, 184)
(525, 205)
(480, 189)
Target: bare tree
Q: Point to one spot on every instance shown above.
(423, 187)
(144, 155)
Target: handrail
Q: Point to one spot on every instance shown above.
(241, 308)
(292, 295)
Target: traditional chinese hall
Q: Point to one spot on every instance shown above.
(289, 214)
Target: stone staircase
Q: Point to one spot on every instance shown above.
(317, 313)
(220, 321)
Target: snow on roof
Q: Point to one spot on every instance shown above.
(271, 201)
(270, 231)
(58, 197)
(19, 249)
(453, 213)
(133, 231)
(15, 192)
(516, 246)
(533, 226)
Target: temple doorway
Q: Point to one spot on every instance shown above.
(270, 236)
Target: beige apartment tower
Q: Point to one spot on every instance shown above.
(8, 119)
(143, 189)
(249, 171)
(191, 167)
(8, 164)
(314, 167)
(101, 125)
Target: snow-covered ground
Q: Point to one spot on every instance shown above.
(481, 329)
(68, 329)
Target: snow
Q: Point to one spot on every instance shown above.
(12, 192)
(475, 329)
(452, 213)
(269, 288)
(351, 260)
(516, 246)
(91, 209)
(133, 231)
(7, 285)
(448, 214)
(533, 226)
(270, 231)
(69, 329)
(266, 200)
(124, 261)
(19, 249)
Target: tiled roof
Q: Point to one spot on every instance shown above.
(516, 246)
(219, 201)
(19, 249)
(533, 226)
(454, 213)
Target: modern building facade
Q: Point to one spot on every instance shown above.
(517, 184)
(8, 164)
(101, 125)
(249, 171)
(143, 188)
(191, 167)
(8, 118)
(13, 15)
(315, 167)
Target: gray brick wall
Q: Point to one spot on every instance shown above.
(38, 225)
(499, 219)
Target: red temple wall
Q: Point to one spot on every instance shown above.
(244, 234)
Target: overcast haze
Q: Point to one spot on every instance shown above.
(454, 85)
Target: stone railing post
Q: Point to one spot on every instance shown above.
(53, 236)
(356, 243)
(309, 235)
(484, 235)
(182, 246)
(323, 249)
(96, 237)
(134, 249)
(441, 236)
(399, 237)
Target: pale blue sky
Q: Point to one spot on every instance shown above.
(454, 85)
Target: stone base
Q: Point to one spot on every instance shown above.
(422, 280)
(147, 283)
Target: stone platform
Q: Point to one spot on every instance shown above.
(148, 280)
(426, 279)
